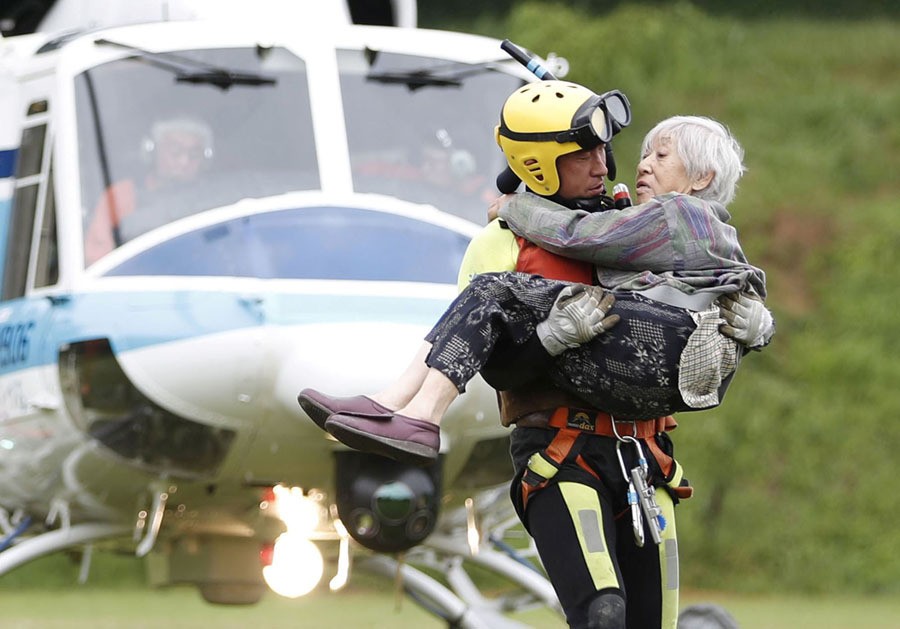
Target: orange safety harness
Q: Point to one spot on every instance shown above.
(573, 426)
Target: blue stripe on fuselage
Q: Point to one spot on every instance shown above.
(136, 320)
(7, 162)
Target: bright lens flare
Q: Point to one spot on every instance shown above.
(297, 563)
(296, 568)
(299, 513)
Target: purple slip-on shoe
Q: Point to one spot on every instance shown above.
(405, 439)
(320, 407)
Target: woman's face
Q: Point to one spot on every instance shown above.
(660, 171)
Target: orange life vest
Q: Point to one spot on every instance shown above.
(536, 261)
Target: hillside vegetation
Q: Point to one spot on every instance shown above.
(795, 472)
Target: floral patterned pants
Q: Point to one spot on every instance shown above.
(629, 371)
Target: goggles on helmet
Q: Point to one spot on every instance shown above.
(596, 122)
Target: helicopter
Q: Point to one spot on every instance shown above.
(157, 323)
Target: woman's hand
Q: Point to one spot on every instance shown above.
(494, 208)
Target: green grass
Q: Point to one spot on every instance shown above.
(371, 606)
(45, 595)
(792, 612)
(182, 608)
(374, 606)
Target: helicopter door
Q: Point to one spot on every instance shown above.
(30, 264)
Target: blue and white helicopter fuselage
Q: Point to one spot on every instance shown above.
(153, 339)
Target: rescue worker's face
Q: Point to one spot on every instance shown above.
(581, 173)
(179, 155)
(660, 171)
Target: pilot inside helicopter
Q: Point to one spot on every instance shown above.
(177, 151)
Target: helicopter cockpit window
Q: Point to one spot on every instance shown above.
(21, 226)
(46, 272)
(422, 129)
(164, 136)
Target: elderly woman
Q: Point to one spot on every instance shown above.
(665, 260)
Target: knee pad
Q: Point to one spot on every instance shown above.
(607, 611)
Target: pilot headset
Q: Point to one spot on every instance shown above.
(188, 125)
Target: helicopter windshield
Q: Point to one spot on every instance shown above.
(174, 141)
(422, 129)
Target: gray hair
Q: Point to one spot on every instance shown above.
(704, 146)
(186, 125)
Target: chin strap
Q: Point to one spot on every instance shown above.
(597, 204)
(594, 204)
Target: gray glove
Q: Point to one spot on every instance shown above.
(748, 321)
(577, 316)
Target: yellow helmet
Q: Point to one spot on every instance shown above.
(544, 120)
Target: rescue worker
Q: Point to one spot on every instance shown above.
(667, 259)
(570, 488)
